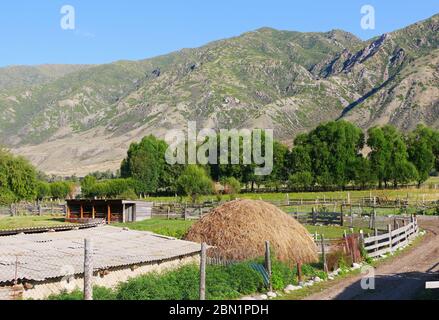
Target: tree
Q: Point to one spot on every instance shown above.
(380, 154)
(279, 175)
(60, 189)
(43, 190)
(300, 180)
(231, 187)
(299, 160)
(389, 156)
(421, 147)
(145, 163)
(87, 185)
(327, 152)
(362, 173)
(17, 177)
(194, 182)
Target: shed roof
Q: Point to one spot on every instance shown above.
(52, 255)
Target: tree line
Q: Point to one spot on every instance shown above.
(334, 155)
(20, 181)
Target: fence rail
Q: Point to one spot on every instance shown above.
(392, 240)
(33, 209)
(315, 217)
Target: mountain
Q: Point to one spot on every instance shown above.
(77, 119)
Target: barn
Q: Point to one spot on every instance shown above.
(110, 210)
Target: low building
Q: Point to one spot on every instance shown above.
(35, 266)
(110, 210)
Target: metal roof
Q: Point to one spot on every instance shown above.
(52, 255)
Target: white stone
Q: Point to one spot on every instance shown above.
(263, 297)
(248, 298)
(330, 278)
(309, 283)
(317, 279)
(271, 294)
(292, 288)
(356, 266)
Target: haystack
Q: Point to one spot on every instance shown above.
(238, 231)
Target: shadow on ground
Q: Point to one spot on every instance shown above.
(400, 286)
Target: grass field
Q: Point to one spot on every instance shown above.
(413, 194)
(178, 228)
(30, 222)
(171, 228)
(432, 181)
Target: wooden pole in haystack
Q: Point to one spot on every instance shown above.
(299, 272)
(268, 264)
(203, 271)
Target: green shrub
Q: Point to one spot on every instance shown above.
(281, 275)
(246, 279)
(183, 284)
(230, 282)
(99, 293)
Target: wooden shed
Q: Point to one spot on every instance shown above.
(110, 210)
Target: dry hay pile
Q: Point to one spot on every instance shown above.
(239, 229)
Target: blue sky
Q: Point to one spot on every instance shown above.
(106, 31)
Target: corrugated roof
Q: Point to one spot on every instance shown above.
(51, 255)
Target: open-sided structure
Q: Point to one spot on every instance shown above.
(110, 210)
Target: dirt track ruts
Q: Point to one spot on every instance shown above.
(400, 278)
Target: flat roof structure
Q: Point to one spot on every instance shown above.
(44, 256)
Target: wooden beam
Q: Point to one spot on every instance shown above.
(93, 212)
(82, 212)
(68, 212)
(109, 214)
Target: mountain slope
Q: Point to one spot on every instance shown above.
(288, 81)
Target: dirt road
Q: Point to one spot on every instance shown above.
(402, 278)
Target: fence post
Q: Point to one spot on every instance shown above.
(88, 269)
(389, 230)
(299, 272)
(376, 235)
(268, 263)
(325, 265)
(203, 271)
(406, 235)
(341, 216)
(361, 238)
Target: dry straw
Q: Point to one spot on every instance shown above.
(239, 229)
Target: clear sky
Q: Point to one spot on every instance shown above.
(105, 31)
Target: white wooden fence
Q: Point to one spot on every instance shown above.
(392, 240)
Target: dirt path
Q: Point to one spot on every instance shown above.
(401, 278)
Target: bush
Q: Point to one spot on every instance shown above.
(230, 282)
(60, 190)
(193, 182)
(99, 293)
(183, 284)
(7, 197)
(281, 275)
(231, 187)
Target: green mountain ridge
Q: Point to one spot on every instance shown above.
(285, 80)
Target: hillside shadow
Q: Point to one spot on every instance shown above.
(365, 97)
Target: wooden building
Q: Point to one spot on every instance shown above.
(110, 210)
